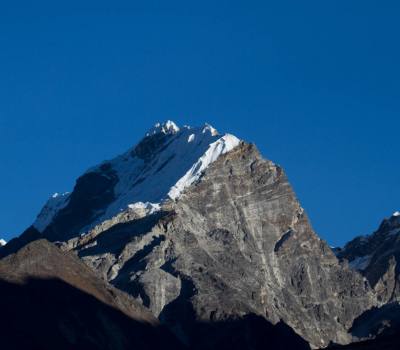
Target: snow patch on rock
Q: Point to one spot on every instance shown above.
(147, 207)
(2, 242)
(361, 262)
(55, 203)
(219, 147)
(191, 138)
(210, 129)
(169, 127)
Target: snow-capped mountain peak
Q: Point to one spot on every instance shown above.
(165, 162)
(2, 242)
(362, 249)
(215, 149)
(168, 127)
(209, 128)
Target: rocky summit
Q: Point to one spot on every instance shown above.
(209, 236)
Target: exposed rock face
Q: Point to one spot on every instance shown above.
(235, 243)
(223, 238)
(377, 256)
(51, 300)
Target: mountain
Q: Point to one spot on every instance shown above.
(2, 242)
(377, 257)
(208, 235)
(52, 300)
(160, 167)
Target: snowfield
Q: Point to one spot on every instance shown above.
(181, 161)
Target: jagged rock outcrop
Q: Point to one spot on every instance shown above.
(377, 257)
(51, 300)
(202, 229)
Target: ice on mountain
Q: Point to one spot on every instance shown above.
(2, 242)
(219, 147)
(148, 207)
(361, 262)
(210, 129)
(143, 185)
(172, 169)
(169, 127)
(56, 202)
(396, 213)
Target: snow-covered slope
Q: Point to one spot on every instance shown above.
(2, 242)
(55, 203)
(165, 162)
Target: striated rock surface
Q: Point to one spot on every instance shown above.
(202, 230)
(51, 300)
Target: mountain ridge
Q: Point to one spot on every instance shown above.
(163, 163)
(200, 228)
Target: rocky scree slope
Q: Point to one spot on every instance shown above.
(200, 228)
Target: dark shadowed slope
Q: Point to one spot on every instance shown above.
(377, 257)
(51, 300)
(391, 342)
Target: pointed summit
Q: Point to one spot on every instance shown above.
(168, 127)
(210, 129)
(159, 168)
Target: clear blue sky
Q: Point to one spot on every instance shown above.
(315, 84)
